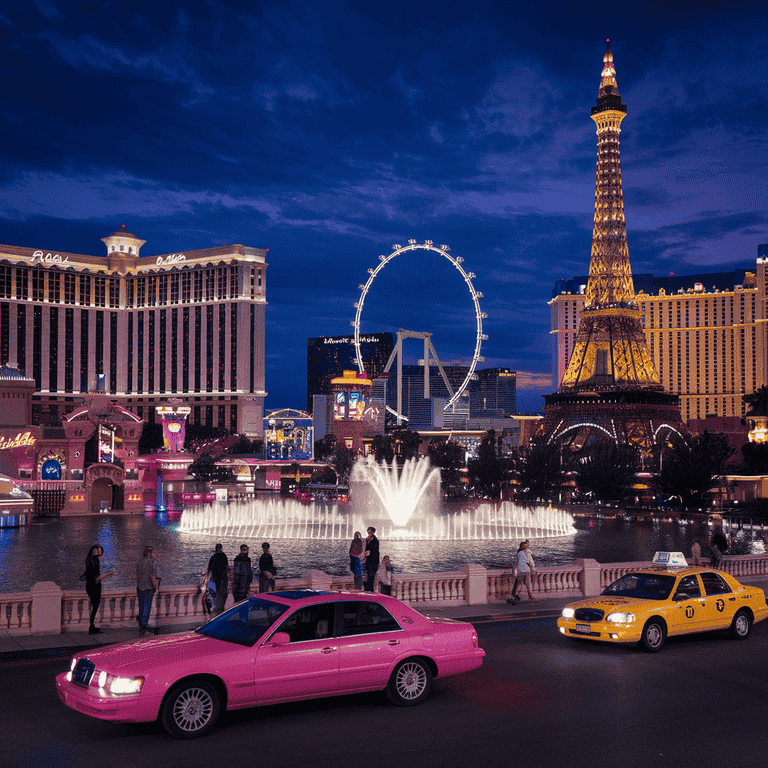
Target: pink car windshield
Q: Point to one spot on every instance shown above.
(245, 622)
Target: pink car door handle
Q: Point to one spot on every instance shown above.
(393, 642)
(328, 649)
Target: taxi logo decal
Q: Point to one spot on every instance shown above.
(689, 611)
(720, 604)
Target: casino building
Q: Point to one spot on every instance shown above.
(140, 329)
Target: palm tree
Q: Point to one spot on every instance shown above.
(758, 402)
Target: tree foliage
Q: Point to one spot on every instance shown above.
(342, 460)
(607, 470)
(485, 471)
(151, 438)
(383, 448)
(245, 445)
(539, 471)
(406, 443)
(689, 470)
(324, 448)
(755, 458)
(757, 402)
(205, 469)
(449, 457)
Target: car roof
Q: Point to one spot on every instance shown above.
(670, 571)
(312, 596)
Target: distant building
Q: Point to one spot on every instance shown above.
(141, 329)
(428, 413)
(328, 356)
(351, 396)
(493, 393)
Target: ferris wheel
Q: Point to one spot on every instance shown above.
(475, 296)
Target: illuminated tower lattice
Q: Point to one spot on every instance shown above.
(610, 388)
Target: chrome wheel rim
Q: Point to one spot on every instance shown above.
(411, 681)
(654, 635)
(192, 709)
(742, 625)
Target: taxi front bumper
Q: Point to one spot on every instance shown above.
(601, 631)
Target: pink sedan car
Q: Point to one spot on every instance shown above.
(268, 649)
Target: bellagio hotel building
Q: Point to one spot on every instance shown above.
(706, 333)
(144, 329)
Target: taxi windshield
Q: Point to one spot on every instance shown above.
(245, 622)
(646, 586)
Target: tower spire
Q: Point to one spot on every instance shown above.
(610, 389)
(610, 347)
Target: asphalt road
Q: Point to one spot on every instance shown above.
(538, 701)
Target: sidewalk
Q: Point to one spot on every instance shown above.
(23, 647)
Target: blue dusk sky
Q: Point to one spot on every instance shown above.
(329, 131)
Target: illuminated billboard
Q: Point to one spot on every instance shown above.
(106, 444)
(288, 435)
(349, 404)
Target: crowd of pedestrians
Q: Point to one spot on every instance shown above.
(369, 572)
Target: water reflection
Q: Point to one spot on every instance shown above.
(55, 550)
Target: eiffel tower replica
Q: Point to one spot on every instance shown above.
(610, 388)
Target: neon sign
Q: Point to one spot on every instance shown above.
(20, 440)
(174, 258)
(48, 259)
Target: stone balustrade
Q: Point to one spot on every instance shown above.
(47, 609)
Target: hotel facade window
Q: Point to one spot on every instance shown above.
(707, 333)
(146, 322)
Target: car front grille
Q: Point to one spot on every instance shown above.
(589, 614)
(83, 672)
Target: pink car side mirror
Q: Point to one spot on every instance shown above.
(280, 638)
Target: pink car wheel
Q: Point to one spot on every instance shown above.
(190, 710)
(410, 683)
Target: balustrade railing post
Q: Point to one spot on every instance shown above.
(590, 576)
(46, 608)
(476, 590)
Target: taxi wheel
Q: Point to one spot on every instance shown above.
(191, 709)
(741, 625)
(410, 683)
(654, 635)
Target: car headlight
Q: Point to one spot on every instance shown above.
(118, 686)
(568, 613)
(620, 617)
(126, 685)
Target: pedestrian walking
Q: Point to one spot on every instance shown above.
(526, 570)
(93, 578)
(218, 570)
(371, 558)
(242, 575)
(147, 583)
(384, 576)
(267, 570)
(356, 557)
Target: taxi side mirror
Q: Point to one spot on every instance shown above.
(681, 596)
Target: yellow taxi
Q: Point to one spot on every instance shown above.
(670, 598)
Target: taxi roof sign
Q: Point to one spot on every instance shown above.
(670, 559)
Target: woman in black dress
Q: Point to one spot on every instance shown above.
(93, 577)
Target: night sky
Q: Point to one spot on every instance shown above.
(328, 131)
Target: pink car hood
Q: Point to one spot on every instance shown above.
(139, 657)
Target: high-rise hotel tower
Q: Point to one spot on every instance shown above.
(610, 388)
(143, 329)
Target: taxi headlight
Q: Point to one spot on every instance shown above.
(620, 617)
(568, 613)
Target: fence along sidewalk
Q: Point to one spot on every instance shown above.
(47, 609)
